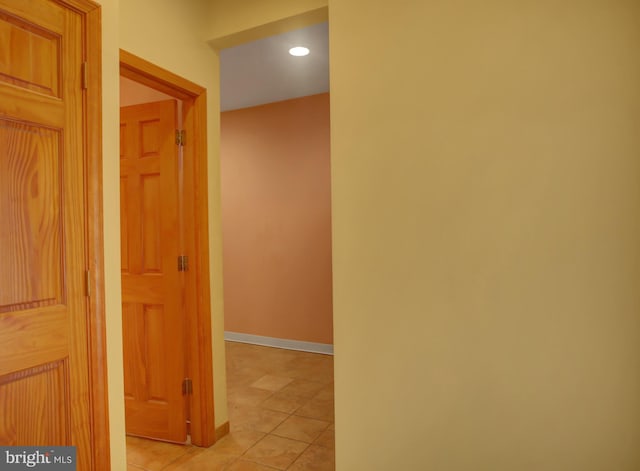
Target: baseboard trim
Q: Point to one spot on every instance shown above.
(222, 431)
(323, 348)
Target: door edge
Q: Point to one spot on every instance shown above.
(97, 345)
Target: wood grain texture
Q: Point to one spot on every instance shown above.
(153, 327)
(30, 55)
(34, 406)
(31, 211)
(198, 293)
(146, 378)
(151, 192)
(75, 249)
(31, 337)
(36, 308)
(124, 227)
(92, 102)
(197, 300)
(43, 91)
(146, 73)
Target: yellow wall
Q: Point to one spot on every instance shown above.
(170, 40)
(486, 197)
(111, 210)
(486, 215)
(233, 22)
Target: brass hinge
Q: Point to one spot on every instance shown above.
(183, 262)
(87, 282)
(85, 75)
(180, 137)
(187, 387)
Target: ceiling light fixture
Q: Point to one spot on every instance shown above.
(299, 51)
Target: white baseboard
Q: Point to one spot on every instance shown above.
(323, 348)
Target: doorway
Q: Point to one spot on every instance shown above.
(275, 191)
(276, 226)
(195, 352)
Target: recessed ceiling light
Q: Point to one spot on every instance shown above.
(299, 51)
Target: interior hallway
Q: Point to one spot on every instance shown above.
(281, 415)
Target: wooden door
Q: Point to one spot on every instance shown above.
(153, 319)
(44, 370)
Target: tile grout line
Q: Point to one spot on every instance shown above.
(306, 408)
(271, 433)
(298, 457)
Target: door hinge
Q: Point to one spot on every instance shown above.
(183, 262)
(187, 387)
(85, 75)
(180, 137)
(87, 282)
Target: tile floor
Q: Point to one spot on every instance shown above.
(280, 412)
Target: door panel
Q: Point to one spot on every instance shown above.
(32, 396)
(31, 232)
(44, 386)
(31, 56)
(153, 329)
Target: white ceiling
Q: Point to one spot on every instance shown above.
(263, 71)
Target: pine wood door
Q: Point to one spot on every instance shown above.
(44, 370)
(152, 292)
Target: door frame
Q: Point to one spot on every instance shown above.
(197, 280)
(96, 322)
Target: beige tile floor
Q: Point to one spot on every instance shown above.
(280, 412)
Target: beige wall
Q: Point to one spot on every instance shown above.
(111, 211)
(170, 40)
(276, 219)
(485, 207)
(486, 215)
(233, 22)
